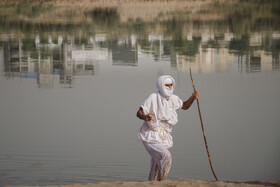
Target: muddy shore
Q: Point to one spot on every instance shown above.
(179, 183)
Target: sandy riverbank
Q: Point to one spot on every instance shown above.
(179, 183)
(80, 10)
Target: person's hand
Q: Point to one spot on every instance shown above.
(195, 95)
(148, 117)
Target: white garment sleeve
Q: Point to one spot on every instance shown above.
(177, 102)
(147, 104)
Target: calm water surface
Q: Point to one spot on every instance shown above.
(69, 95)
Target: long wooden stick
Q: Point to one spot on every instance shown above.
(202, 126)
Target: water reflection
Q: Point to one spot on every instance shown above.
(124, 52)
(42, 61)
(43, 58)
(75, 46)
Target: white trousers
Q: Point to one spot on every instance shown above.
(160, 161)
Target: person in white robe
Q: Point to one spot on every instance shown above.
(159, 114)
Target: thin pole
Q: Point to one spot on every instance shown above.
(202, 126)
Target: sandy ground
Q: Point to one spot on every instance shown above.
(146, 10)
(179, 183)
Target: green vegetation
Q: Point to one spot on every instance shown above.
(251, 15)
(188, 48)
(240, 45)
(106, 17)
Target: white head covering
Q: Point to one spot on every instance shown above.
(163, 90)
(164, 93)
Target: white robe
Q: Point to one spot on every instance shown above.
(159, 132)
(155, 134)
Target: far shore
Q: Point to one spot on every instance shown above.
(178, 183)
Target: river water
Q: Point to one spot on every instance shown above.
(69, 93)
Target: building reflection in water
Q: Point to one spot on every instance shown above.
(124, 51)
(65, 59)
(206, 52)
(250, 57)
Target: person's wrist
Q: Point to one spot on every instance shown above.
(145, 117)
